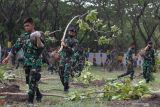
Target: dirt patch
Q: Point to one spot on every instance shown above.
(98, 82)
(19, 81)
(12, 98)
(92, 83)
(154, 101)
(10, 88)
(75, 84)
(15, 98)
(51, 102)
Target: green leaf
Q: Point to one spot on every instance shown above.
(116, 97)
(103, 40)
(98, 23)
(83, 25)
(92, 16)
(46, 33)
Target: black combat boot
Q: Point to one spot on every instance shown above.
(66, 87)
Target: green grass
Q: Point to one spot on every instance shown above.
(54, 86)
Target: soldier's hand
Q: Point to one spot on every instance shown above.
(146, 48)
(63, 44)
(39, 43)
(5, 61)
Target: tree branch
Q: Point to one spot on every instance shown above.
(13, 8)
(3, 12)
(26, 5)
(145, 26)
(137, 18)
(140, 31)
(43, 10)
(152, 31)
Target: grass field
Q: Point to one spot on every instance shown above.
(51, 84)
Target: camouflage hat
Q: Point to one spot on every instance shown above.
(72, 28)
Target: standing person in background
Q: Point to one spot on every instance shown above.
(129, 62)
(32, 45)
(148, 62)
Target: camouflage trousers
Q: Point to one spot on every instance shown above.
(64, 72)
(77, 67)
(130, 71)
(32, 78)
(147, 73)
(68, 67)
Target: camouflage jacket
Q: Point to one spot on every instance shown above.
(149, 58)
(32, 54)
(129, 55)
(70, 49)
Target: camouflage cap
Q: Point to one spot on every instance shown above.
(72, 28)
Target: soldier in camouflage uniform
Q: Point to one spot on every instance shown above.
(129, 62)
(149, 62)
(32, 45)
(68, 52)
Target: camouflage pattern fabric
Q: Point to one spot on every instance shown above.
(32, 63)
(68, 56)
(148, 63)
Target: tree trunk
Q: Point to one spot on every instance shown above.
(133, 34)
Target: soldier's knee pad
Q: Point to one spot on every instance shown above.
(37, 76)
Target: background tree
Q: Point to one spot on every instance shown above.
(138, 20)
(11, 14)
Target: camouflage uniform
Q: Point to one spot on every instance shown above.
(149, 61)
(32, 64)
(129, 63)
(78, 60)
(66, 60)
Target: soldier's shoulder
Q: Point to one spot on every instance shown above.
(25, 35)
(75, 40)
